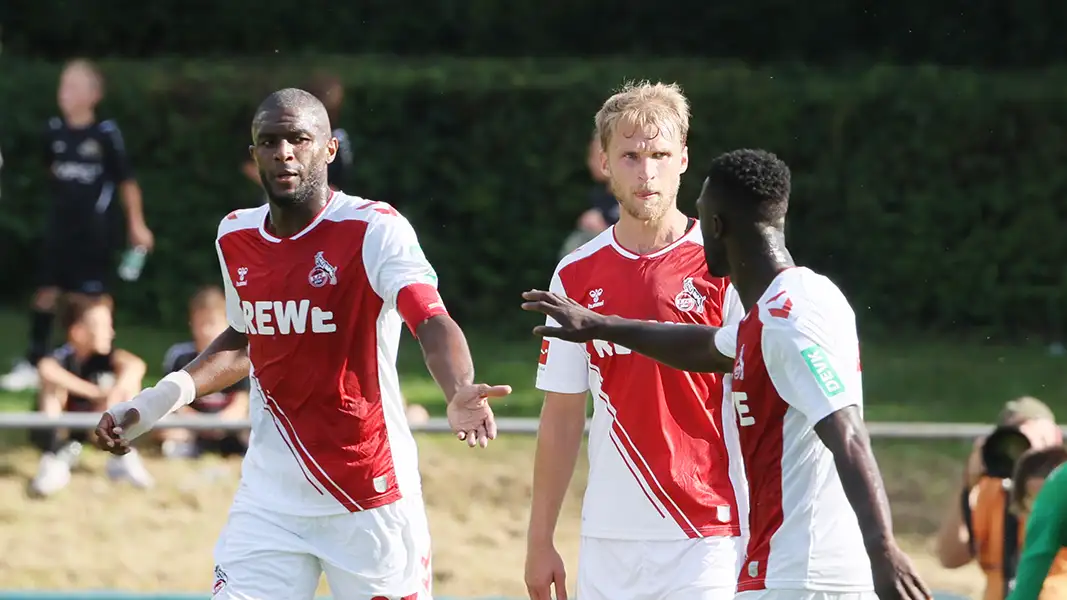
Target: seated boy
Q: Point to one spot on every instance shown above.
(207, 319)
(86, 374)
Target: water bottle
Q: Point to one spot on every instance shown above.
(132, 263)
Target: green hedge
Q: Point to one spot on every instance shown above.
(936, 197)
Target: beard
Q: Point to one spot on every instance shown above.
(642, 210)
(310, 183)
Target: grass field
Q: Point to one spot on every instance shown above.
(95, 535)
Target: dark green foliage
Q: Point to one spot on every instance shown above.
(935, 197)
(977, 32)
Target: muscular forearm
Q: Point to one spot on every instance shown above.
(684, 347)
(846, 437)
(444, 348)
(222, 364)
(559, 438)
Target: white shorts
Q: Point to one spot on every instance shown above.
(695, 569)
(804, 595)
(377, 554)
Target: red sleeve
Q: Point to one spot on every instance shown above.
(417, 303)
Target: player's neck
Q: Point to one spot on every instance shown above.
(759, 258)
(645, 237)
(287, 221)
(80, 119)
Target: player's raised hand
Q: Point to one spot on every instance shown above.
(545, 571)
(895, 577)
(109, 432)
(576, 322)
(470, 415)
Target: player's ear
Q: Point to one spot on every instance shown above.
(252, 152)
(331, 149)
(685, 159)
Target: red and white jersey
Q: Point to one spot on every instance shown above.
(662, 441)
(796, 362)
(320, 310)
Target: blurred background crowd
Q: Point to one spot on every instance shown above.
(926, 140)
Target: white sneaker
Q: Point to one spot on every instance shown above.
(53, 474)
(22, 377)
(129, 467)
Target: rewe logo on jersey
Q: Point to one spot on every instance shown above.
(265, 317)
(690, 298)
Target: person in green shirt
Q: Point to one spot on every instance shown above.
(1041, 564)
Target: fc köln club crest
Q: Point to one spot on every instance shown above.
(323, 272)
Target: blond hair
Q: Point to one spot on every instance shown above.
(662, 106)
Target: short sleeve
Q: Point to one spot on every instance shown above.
(726, 341)
(813, 375)
(117, 161)
(732, 311)
(563, 367)
(393, 257)
(234, 314)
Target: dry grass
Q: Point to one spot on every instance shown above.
(96, 535)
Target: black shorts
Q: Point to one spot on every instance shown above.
(75, 264)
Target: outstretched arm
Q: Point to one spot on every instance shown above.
(402, 277)
(444, 348)
(222, 364)
(694, 348)
(684, 347)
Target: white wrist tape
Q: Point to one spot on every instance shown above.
(171, 393)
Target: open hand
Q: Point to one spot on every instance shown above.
(895, 577)
(470, 415)
(109, 432)
(576, 322)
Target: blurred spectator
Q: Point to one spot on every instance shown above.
(88, 163)
(207, 319)
(603, 211)
(87, 374)
(979, 523)
(1042, 572)
(328, 89)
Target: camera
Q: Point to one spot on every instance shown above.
(1002, 449)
